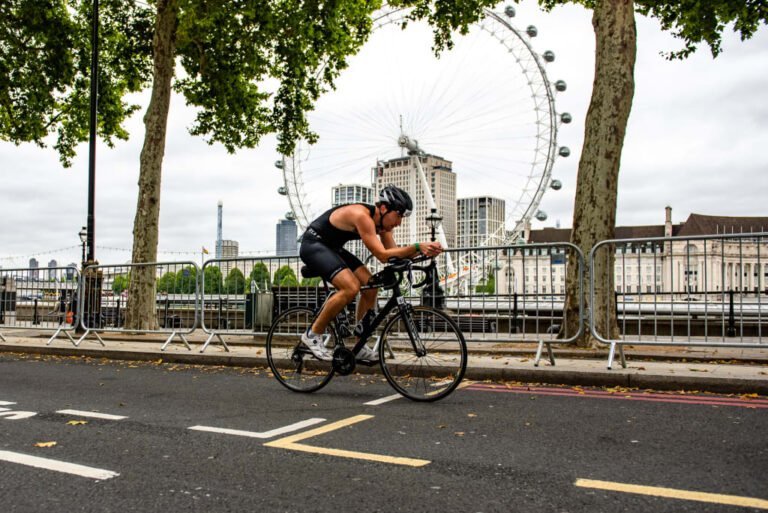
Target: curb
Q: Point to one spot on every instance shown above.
(546, 374)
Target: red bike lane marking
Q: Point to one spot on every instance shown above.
(628, 396)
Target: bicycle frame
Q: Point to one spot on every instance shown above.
(397, 301)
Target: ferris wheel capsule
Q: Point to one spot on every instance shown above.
(564, 151)
(279, 164)
(556, 185)
(509, 11)
(549, 56)
(565, 117)
(532, 31)
(290, 215)
(282, 190)
(541, 215)
(561, 86)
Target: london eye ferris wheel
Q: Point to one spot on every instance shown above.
(486, 105)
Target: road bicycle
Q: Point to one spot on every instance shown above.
(421, 350)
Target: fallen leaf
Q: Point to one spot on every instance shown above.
(459, 433)
(77, 422)
(45, 444)
(471, 415)
(442, 426)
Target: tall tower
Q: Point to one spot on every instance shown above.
(218, 232)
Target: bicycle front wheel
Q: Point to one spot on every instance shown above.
(291, 361)
(432, 364)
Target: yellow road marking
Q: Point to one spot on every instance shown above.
(671, 493)
(290, 442)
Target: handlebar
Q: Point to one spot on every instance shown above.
(401, 265)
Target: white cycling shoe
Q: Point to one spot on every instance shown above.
(315, 344)
(367, 354)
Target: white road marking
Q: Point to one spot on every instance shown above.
(17, 415)
(383, 400)
(93, 414)
(6, 403)
(5, 409)
(57, 465)
(265, 434)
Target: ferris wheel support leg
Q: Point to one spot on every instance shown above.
(431, 204)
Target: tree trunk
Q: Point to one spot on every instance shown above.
(594, 215)
(141, 311)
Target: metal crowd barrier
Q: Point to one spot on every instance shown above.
(495, 294)
(39, 299)
(685, 291)
(242, 295)
(507, 293)
(107, 305)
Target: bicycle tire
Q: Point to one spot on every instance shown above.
(436, 374)
(292, 364)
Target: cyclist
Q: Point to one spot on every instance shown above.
(323, 252)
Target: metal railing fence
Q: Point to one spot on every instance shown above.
(39, 299)
(107, 305)
(242, 295)
(507, 294)
(684, 291)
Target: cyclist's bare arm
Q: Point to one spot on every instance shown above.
(385, 247)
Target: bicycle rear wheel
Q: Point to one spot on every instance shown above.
(437, 372)
(292, 362)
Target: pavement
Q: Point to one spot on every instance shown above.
(704, 369)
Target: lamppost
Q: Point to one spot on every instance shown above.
(83, 234)
(91, 231)
(433, 294)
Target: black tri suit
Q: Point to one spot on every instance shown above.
(322, 246)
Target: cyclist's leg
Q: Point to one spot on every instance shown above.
(363, 274)
(365, 307)
(347, 286)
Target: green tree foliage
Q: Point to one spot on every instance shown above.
(696, 22)
(167, 283)
(186, 280)
(285, 277)
(311, 282)
(489, 285)
(213, 278)
(120, 283)
(232, 53)
(235, 282)
(260, 275)
(45, 54)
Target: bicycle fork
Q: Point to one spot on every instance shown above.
(410, 327)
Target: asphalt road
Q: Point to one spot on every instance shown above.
(258, 447)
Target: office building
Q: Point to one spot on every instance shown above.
(286, 235)
(480, 221)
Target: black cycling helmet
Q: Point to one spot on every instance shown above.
(396, 199)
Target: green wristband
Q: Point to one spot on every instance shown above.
(418, 248)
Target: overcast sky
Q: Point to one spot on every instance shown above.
(696, 141)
